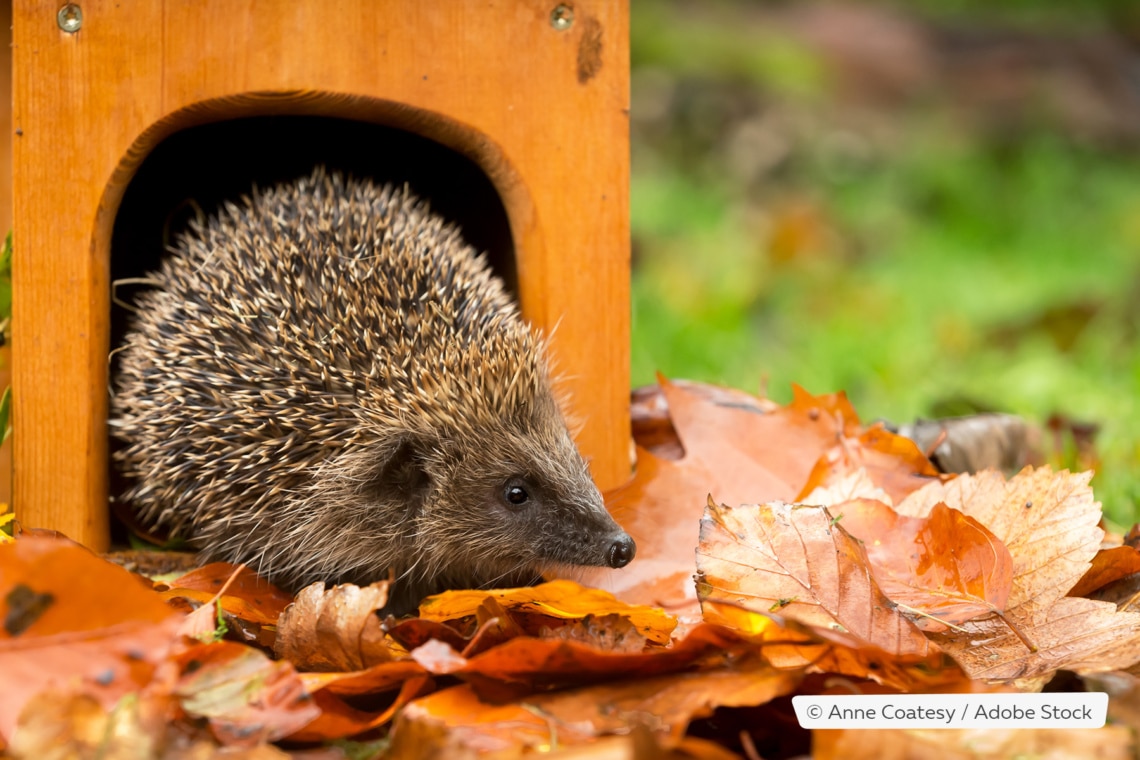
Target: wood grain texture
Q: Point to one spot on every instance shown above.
(5, 214)
(543, 112)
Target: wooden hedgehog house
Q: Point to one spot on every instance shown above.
(511, 117)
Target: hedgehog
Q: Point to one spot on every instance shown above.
(328, 384)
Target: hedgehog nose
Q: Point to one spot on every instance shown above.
(621, 551)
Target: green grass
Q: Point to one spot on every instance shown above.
(940, 260)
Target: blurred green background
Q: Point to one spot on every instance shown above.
(934, 206)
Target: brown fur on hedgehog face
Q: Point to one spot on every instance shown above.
(329, 385)
(437, 509)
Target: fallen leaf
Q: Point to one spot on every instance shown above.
(555, 601)
(892, 462)
(798, 561)
(575, 717)
(247, 698)
(248, 596)
(977, 442)
(455, 721)
(652, 427)
(1108, 742)
(737, 453)
(1108, 566)
(338, 719)
(56, 725)
(70, 585)
(945, 567)
(333, 630)
(1049, 523)
(75, 624)
(790, 645)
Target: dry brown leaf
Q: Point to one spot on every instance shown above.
(795, 560)
(334, 630)
(1049, 523)
(652, 427)
(853, 485)
(944, 569)
(735, 452)
(977, 442)
(1108, 743)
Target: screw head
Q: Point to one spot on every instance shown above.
(70, 18)
(562, 17)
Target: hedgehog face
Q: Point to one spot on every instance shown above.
(517, 500)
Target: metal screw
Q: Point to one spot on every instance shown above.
(70, 18)
(562, 17)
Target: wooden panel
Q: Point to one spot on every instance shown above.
(544, 112)
(5, 212)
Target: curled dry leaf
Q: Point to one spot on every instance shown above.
(1049, 523)
(332, 630)
(524, 665)
(798, 561)
(943, 569)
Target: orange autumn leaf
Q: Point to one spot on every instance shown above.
(798, 561)
(735, 452)
(944, 569)
(526, 664)
(75, 623)
(791, 645)
(892, 462)
(1049, 523)
(1108, 566)
(560, 600)
(339, 719)
(575, 717)
(248, 596)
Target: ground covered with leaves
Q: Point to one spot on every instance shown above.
(782, 550)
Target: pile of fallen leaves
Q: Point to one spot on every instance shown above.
(781, 551)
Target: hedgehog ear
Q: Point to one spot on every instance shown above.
(403, 475)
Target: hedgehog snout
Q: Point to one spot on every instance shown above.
(621, 551)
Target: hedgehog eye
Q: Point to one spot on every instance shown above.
(515, 493)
